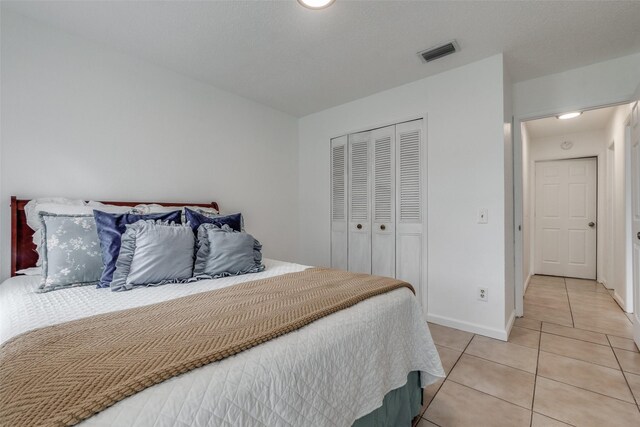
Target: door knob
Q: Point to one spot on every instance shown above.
(638, 235)
(359, 226)
(592, 224)
(382, 227)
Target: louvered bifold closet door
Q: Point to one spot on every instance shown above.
(359, 247)
(383, 237)
(339, 196)
(410, 186)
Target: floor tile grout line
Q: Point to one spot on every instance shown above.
(531, 329)
(579, 329)
(486, 394)
(512, 343)
(491, 395)
(535, 376)
(573, 323)
(446, 378)
(502, 364)
(450, 348)
(624, 376)
(581, 360)
(595, 392)
(577, 339)
(555, 419)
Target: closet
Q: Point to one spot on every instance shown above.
(377, 201)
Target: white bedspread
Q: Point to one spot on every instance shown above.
(328, 373)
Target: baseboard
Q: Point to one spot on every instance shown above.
(498, 334)
(510, 322)
(526, 284)
(620, 302)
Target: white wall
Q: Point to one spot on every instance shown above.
(621, 264)
(585, 144)
(81, 120)
(600, 84)
(466, 171)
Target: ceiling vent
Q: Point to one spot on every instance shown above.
(439, 51)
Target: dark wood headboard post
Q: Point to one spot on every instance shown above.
(23, 251)
(14, 234)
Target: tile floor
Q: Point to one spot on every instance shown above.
(569, 361)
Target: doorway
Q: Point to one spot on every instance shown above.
(566, 218)
(598, 135)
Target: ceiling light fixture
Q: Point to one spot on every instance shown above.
(316, 4)
(571, 115)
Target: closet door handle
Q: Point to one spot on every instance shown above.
(359, 226)
(382, 227)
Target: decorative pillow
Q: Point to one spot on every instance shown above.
(110, 228)
(224, 252)
(156, 208)
(195, 219)
(70, 251)
(154, 253)
(61, 206)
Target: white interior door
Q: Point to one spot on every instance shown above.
(383, 233)
(635, 211)
(339, 203)
(359, 247)
(565, 218)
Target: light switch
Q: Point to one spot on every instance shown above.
(483, 216)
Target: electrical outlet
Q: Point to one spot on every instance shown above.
(483, 294)
(483, 216)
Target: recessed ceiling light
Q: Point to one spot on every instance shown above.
(571, 115)
(316, 4)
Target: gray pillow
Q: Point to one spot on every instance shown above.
(154, 253)
(224, 252)
(71, 253)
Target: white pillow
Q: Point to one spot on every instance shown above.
(34, 207)
(156, 208)
(33, 218)
(31, 271)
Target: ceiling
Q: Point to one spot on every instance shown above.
(301, 61)
(589, 121)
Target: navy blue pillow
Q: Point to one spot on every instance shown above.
(110, 228)
(196, 219)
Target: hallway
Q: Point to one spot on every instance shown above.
(569, 361)
(575, 303)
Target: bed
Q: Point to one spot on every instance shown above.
(364, 365)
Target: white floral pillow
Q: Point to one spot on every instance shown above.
(71, 253)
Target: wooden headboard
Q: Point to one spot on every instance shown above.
(23, 251)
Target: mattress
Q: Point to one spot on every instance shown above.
(328, 373)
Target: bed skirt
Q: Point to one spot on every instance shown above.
(399, 406)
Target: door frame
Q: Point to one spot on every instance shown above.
(518, 120)
(533, 242)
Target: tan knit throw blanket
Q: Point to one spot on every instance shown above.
(63, 374)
